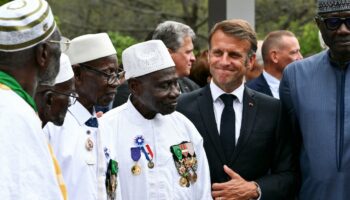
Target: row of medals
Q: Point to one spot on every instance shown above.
(136, 169)
(187, 168)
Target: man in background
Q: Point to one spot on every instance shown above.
(278, 50)
(178, 38)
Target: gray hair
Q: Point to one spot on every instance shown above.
(172, 34)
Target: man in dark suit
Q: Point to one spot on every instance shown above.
(247, 145)
(278, 50)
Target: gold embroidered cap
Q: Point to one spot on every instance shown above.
(24, 24)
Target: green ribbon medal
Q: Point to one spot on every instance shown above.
(177, 151)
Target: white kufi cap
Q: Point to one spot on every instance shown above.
(90, 47)
(66, 72)
(146, 57)
(24, 24)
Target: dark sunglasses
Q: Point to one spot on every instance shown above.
(333, 23)
(111, 78)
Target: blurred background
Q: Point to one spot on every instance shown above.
(130, 21)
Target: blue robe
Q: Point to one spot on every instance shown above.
(316, 92)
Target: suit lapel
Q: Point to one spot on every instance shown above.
(205, 103)
(248, 120)
(265, 88)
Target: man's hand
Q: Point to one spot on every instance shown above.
(235, 189)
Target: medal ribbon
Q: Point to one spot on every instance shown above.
(177, 151)
(144, 152)
(114, 167)
(17, 88)
(184, 149)
(149, 151)
(135, 153)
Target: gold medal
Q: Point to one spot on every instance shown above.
(150, 164)
(89, 144)
(136, 170)
(194, 177)
(183, 182)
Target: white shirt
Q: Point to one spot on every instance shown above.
(26, 170)
(273, 83)
(160, 133)
(80, 166)
(219, 105)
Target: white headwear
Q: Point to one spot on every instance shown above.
(25, 23)
(146, 57)
(90, 47)
(66, 72)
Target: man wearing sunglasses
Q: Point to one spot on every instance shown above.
(82, 144)
(316, 93)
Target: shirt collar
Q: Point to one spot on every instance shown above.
(271, 79)
(80, 113)
(216, 92)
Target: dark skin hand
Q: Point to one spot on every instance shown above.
(235, 189)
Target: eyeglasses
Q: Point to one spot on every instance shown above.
(111, 78)
(333, 23)
(64, 43)
(72, 96)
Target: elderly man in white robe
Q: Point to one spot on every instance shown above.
(160, 152)
(83, 144)
(29, 55)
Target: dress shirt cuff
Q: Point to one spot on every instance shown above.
(258, 190)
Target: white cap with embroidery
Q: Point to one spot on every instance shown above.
(146, 57)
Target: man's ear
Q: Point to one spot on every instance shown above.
(42, 55)
(274, 56)
(134, 86)
(77, 72)
(48, 98)
(251, 61)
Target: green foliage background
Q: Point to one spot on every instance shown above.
(3, 1)
(121, 42)
(128, 22)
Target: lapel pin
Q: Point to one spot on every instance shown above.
(250, 104)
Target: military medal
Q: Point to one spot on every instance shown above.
(139, 140)
(183, 182)
(89, 144)
(136, 170)
(185, 163)
(135, 155)
(148, 155)
(111, 179)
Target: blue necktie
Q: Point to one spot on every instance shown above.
(92, 122)
(227, 125)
